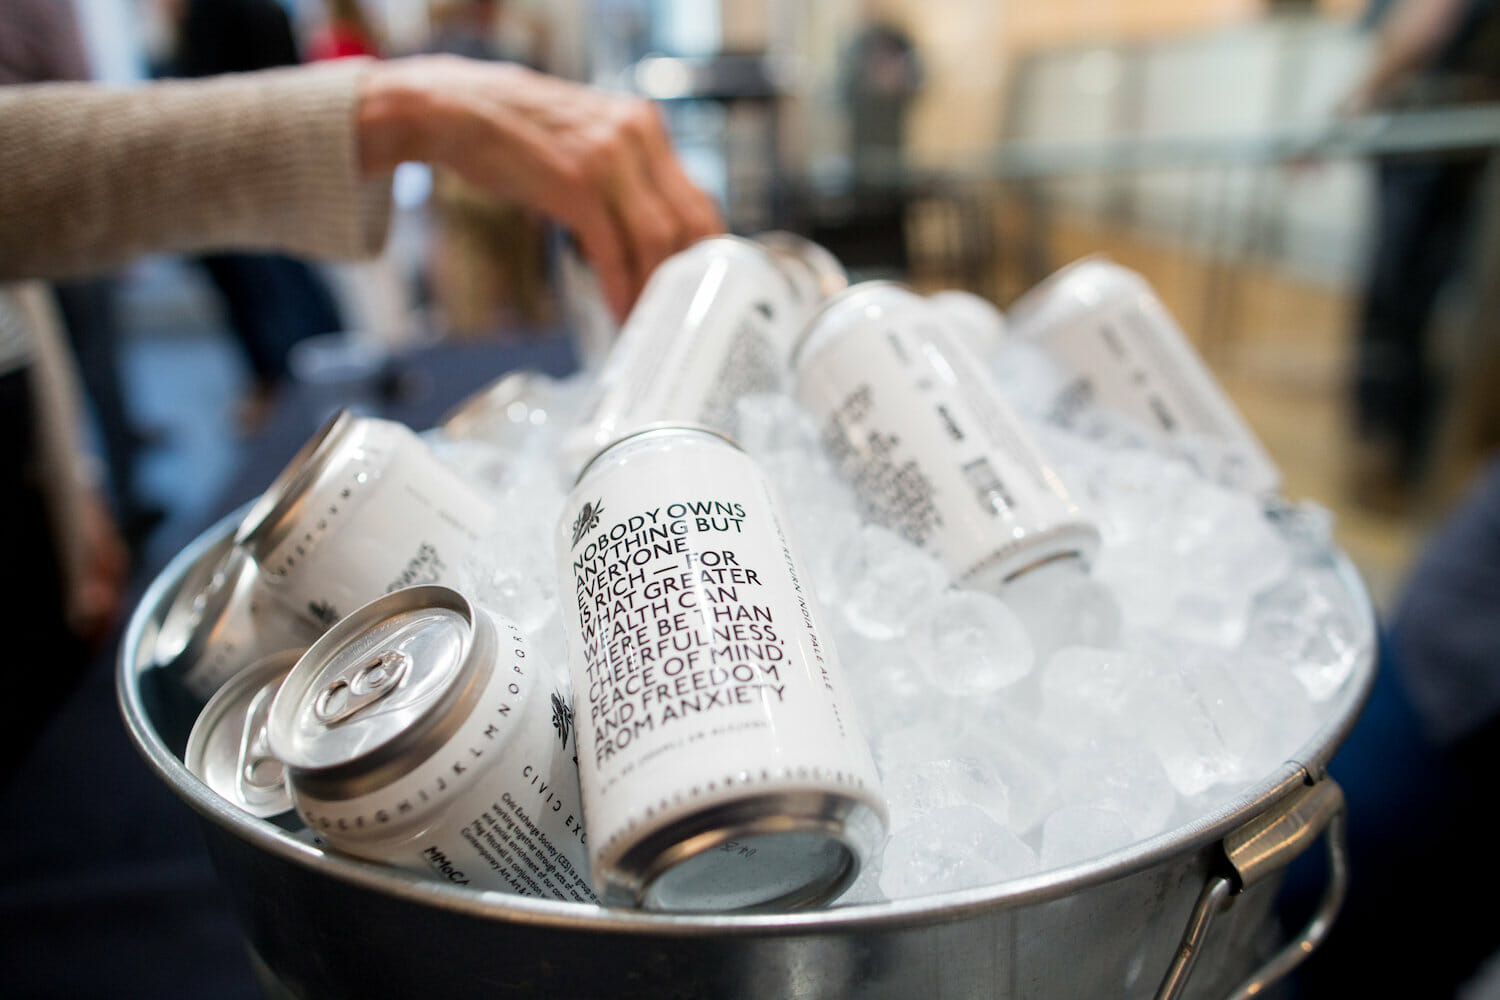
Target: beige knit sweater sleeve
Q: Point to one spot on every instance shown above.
(92, 176)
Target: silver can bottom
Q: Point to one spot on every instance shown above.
(766, 852)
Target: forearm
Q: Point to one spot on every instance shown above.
(91, 177)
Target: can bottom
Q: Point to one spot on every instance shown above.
(747, 856)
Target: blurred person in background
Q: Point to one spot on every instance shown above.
(344, 32)
(40, 42)
(489, 257)
(297, 160)
(880, 78)
(1429, 54)
(271, 300)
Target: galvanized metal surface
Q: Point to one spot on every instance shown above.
(1111, 927)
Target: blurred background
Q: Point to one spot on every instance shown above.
(1257, 161)
(1309, 185)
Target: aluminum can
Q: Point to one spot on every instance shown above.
(721, 762)
(227, 748)
(1120, 350)
(715, 322)
(364, 508)
(503, 412)
(422, 732)
(222, 620)
(915, 423)
(974, 319)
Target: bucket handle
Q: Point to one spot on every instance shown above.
(1265, 845)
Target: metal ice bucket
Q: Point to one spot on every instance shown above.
(1186, 913)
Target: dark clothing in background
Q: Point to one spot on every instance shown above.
(276, 300)
(1423, 225)
(47, 658)
(1416, 772)
(1425, 207)
(271, 301)
(234, 36)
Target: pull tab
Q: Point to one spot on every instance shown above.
(360, 687)
(261, 776)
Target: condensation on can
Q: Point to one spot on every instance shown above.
(422, 732)
(715, 323)
(227, 749)
(915, 422)
(364, 509)
(722, 765)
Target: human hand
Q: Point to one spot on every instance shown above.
(601, 164)
(96, 591)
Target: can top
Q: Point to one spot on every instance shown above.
(656, 430)
(460, 421)
(199, 604)
(381, 691)
(1089, 278)
(272, 514)
(790, 251)
(227, 748)
(851, 297)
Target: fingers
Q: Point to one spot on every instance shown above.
(600, 164)
(655, 210)
(696, 213)
(636, 206)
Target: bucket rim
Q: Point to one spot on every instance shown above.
(954, 905)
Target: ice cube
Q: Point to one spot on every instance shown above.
(1074, 834)
(913, 789)
(1119, 775)
(1060, 604)
(969, 643)
(884, 579)
(773, 422)
(1086, 691)
(958, 847)
(1310, 621)
(512, 570)
(1282, 706)
(1191, 714)
(1024, 756)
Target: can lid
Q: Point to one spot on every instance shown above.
(379, 692)
(770, 852)
(276, 508)
(461, 421)
(199, 604)
(227, 748)
(655, 429)
(789, 251)
(853, 294)
(1029, 315)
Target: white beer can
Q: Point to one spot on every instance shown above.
(227, 748)
(1121, 351)
(221, 620)
(364, 509)
(915, 423)
(715, 322)
(721, 762)
(422, 732)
